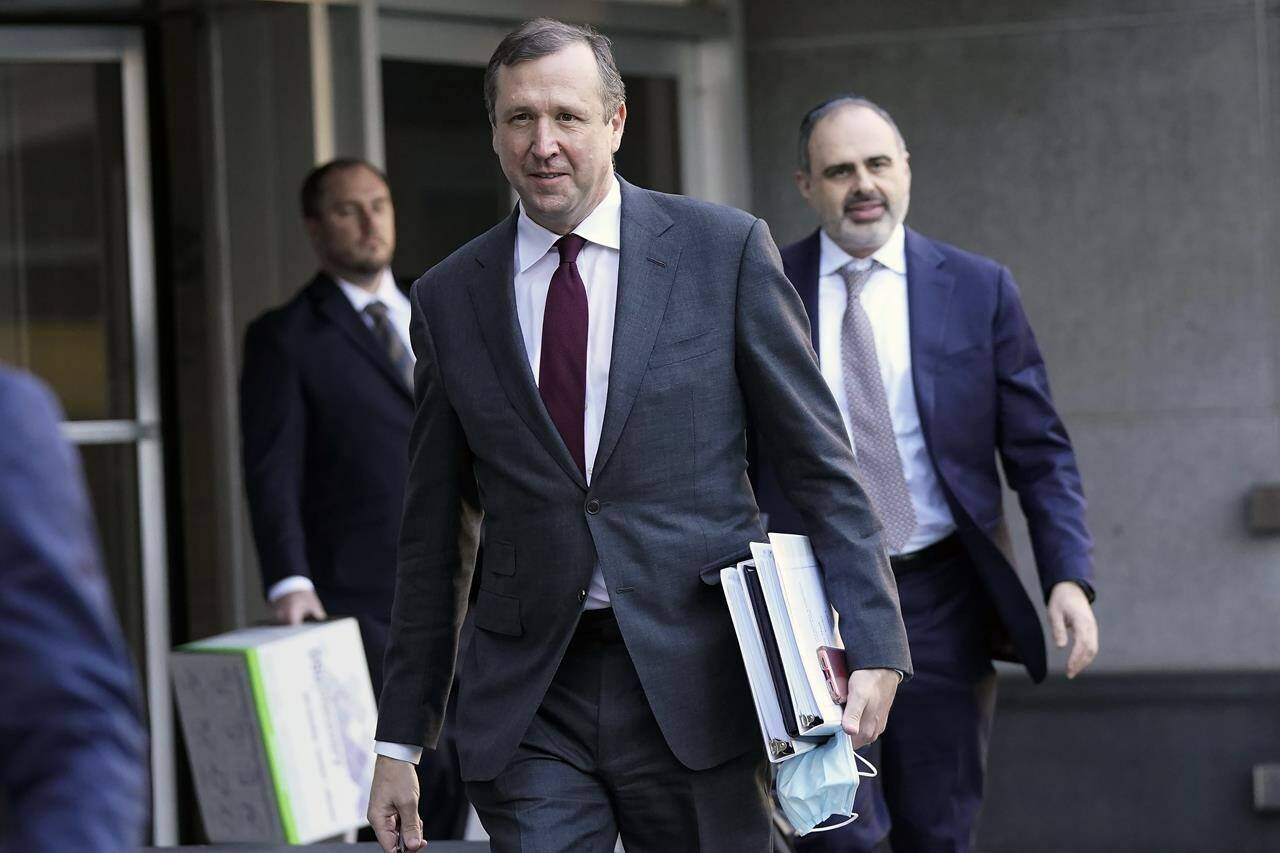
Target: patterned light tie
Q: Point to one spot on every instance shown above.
(562, 368)
(395, 349)
(872, 427)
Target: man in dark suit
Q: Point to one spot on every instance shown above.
(325, 412)
(937, 373)
(72, 748)
(585, 374)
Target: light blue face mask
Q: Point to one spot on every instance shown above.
(820, 784)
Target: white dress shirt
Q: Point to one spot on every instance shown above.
(398, 313)
(884, 298)
(536, 260)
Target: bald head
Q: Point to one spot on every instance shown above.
(857, 178)
(831, 105)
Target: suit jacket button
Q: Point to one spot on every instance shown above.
(582, 595)
(593, 506)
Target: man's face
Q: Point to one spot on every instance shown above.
(355, 233)
(554, 143)
(859, 181)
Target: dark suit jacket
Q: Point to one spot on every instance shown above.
(325, 421)
(72, 749)
(708, 332)
(983, 393)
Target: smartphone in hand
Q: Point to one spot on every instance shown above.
(835, 672)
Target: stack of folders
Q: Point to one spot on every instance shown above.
(786, 630)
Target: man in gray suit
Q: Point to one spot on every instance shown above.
(585, 375)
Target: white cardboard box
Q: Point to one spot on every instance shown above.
(279, 725)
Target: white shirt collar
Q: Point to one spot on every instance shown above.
(893, 254)
(603, 226)
(386, 292)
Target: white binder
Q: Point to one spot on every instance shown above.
(806, 622)
(778, 744)
(802, 621)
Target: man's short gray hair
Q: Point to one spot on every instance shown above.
(829, 106)
(543, 37)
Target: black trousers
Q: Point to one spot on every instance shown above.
(594, 765)
(933, 754)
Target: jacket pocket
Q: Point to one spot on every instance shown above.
(498, 613)
(684, 350)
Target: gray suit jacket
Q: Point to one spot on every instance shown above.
(708, 334)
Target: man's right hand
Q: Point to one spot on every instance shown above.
(295, 607)
(393, 805)
(866, 711)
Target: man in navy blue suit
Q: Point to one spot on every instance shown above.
(72, 749)
(933, 363)
(326, 404)
(325, 410)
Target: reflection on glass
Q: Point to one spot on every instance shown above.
(64, 273)
(111, 471)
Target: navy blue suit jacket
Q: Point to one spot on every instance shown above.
(983, 394)
(72, 749)
(325, 420)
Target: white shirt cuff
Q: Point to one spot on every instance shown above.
(401, 751)
(293, 583)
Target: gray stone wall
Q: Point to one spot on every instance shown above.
(1119, 157)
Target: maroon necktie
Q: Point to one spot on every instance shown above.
(562, 374)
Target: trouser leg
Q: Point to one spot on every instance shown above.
(932, 756)
(594, 764)
(935, 749)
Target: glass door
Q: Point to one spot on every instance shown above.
(77, 310)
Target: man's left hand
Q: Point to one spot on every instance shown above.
(866, 712)
(1070, 611)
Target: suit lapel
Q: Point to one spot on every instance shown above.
(804, 278)
(494, 300)
(929, 290)
(332, 304)
(646, 271)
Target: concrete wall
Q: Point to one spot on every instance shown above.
(1120, 158)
